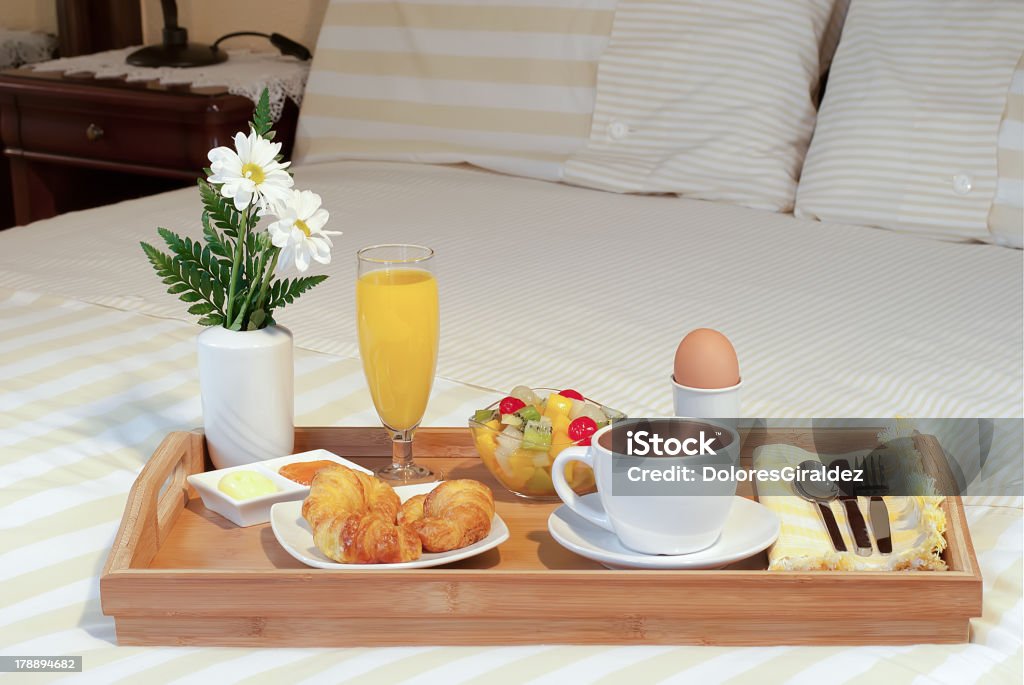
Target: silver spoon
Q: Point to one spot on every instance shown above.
(821, 492)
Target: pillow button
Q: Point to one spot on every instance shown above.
(617, 130)
(963, 183)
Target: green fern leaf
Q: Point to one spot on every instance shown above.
(186, 278)
(222, 213)
(211, 320)
(291, 290)
(261, 121)
(256, 320)
(216, 244)
(201, 308)
(155, 256)
(218, 298)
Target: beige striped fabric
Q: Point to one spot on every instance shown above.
(833, 32)
(507, 85)
(828, 320)
(906, 138)
(1006, 217)
(86, 394)
(710, 100)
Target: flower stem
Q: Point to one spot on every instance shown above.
(236, 266)
(261, 300)
(248, 295)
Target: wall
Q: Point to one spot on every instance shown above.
(32, 15)
(207, 20)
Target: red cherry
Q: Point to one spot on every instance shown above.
(510, 405)
(573, 394)
(581, 429)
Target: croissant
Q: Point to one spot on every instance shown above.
(352, 516)
(453, 515)
(412, 509)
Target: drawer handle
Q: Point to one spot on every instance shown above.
(93, 133)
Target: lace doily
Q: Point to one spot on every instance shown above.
(245, 73)
(24, 47)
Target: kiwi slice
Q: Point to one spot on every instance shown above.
(528, 413)
(537, 434)
(484, 415)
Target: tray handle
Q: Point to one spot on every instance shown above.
(155, 500)
(959, 552)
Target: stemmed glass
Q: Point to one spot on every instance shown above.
(399, 324)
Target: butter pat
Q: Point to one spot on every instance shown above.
(243, 485)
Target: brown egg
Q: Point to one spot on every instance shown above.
(706, 359)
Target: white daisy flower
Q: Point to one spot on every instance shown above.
(249, 173)
(299, 231)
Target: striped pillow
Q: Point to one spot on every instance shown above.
(1006, 217)
(833, 31)
(503, 84)
(906, 137)
(710, 99)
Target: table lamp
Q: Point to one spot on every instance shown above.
(175, 50)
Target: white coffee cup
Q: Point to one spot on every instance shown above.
(688, 520)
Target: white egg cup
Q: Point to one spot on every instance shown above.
(706, 403)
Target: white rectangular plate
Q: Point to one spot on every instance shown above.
(251, 512)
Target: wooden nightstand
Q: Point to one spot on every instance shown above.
(74, 142)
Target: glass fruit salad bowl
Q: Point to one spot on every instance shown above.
(519, 436)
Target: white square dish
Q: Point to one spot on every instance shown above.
(251, 512)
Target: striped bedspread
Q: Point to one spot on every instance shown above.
(96, 365)
(87, 392)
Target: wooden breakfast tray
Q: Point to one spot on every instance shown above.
(179, 574)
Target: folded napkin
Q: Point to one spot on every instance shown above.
(917, 524)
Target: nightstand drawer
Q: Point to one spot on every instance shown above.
(75, 142)
(97, 135)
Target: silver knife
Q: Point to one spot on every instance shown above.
(858, 526)
(874, 487)
(880, 524)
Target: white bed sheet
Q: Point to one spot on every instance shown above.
(546, 284)
(542, 284)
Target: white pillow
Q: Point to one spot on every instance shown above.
(710, 99)
(506, 85)
(1006, 217)
(907, 134)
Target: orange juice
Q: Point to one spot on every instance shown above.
(399, 324)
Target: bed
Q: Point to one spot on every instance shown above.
(542, 284)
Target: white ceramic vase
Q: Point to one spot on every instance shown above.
(246, 379)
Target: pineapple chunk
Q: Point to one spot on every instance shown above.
(560, 426)
(559, 441)
(582, 478)
(558, 405)
(520, 460)
(539, 483)
(488, 434)
(485, 440)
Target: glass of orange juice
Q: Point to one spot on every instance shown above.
(399, 324)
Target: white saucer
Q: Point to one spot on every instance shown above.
(751, 527)
(295, 536)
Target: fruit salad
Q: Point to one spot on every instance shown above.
(519, 437)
